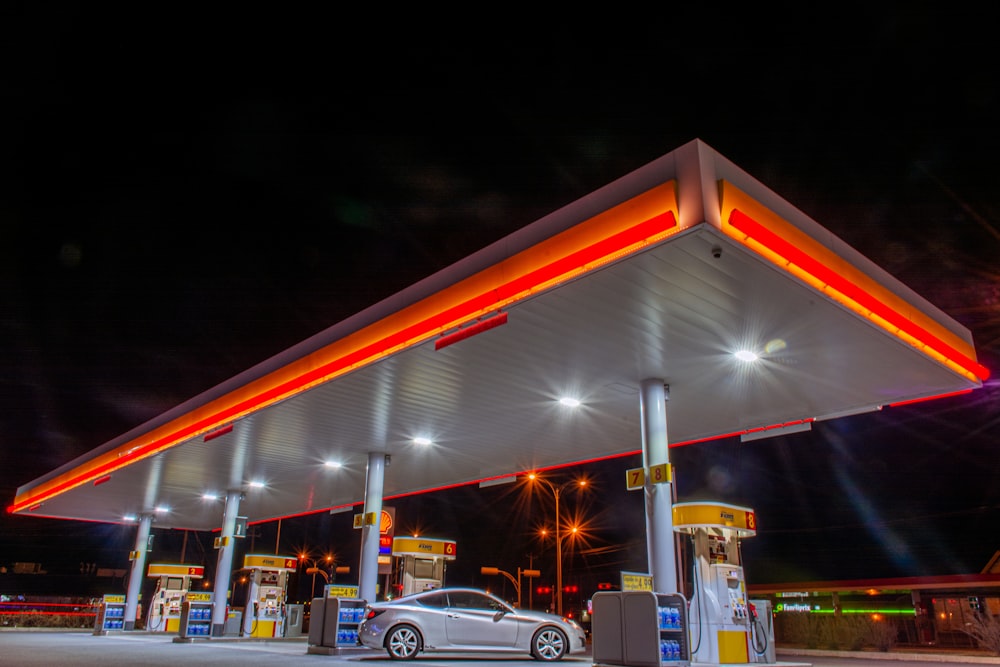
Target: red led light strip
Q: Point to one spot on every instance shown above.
(928, 398)
(470, 331)
(828, 276)
(217, 432)
(597, 253)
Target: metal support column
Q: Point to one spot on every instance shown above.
(368, 570)
(138, 569)
(659, 497)
(224, 563)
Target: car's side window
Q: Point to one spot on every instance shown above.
(468, 600)
(438, 600)
(460, 601)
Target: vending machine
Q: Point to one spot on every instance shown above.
(196, 616)
(173, 581)
(719, 614)
(334, 619)
(640, 629)
(110, 614)
(264, 615)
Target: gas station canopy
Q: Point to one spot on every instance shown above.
(666, 273)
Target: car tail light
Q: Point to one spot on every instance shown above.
(372, 613)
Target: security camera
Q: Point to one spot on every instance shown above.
(716, 252)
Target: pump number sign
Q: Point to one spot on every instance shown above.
(270, 562)
(658, 474)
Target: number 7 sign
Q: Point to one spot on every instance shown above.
(658, 474)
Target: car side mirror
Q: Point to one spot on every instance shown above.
(500, 614)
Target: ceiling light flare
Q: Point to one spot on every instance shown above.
(332, 464)
(422, 441)
(570, 402)
(746, 355)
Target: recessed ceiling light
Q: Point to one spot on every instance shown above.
(256, 485)
(209, 496)
(421, 441)
(162, 509)
(569, 402)
(332, 464)
(746, 355)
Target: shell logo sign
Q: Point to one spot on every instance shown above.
(385, 520)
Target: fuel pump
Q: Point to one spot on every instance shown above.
(719, 614)
(420, 563)
(173, 581)
(264, 615)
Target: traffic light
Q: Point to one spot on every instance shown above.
(544, 590)
(571, 589)
(604, 587)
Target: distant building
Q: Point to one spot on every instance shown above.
(931, 610)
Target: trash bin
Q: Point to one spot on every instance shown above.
(293, 627)
(234, 622)
(317, 618)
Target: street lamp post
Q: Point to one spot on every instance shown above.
(516, 582)
(556, 492)
(315, 569)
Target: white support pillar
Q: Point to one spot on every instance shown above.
(368, 569)
(224, 563)
(659, 497)
(138, 570)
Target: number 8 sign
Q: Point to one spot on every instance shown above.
(658, 474)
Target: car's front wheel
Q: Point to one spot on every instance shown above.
(548, 644)
(403, 642)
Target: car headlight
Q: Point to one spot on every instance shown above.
(572, 623)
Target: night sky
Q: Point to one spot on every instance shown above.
(185, 195)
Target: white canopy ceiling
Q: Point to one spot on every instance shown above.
(665, 273)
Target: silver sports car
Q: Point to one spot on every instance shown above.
(466, 619)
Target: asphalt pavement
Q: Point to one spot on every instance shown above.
(44, 648)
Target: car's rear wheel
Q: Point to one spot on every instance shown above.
(548, 644)
(403, 642)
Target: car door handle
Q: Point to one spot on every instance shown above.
(450, 615)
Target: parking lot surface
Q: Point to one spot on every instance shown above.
(41, 648)
(44, 648)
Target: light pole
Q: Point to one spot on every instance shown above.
(516, 582)
(556, 492)
(315, 569)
